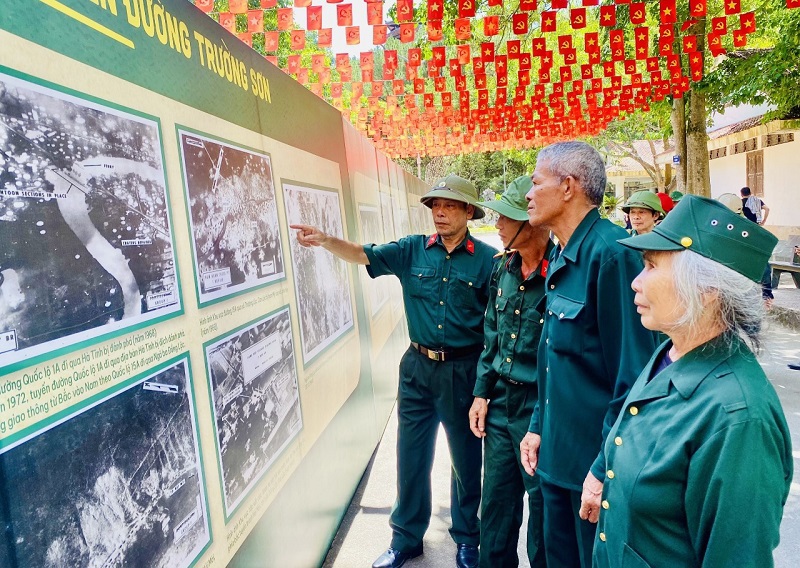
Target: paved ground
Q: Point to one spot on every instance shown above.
(365, 534)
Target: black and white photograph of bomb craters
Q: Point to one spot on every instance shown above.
(320, 279)
(372, 232)
(117, 484)
(256, 401)
(234, 217)
(85, 241)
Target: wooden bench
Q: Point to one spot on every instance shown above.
(779, 268)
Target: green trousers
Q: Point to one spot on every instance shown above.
(505, 482)
(431, 393)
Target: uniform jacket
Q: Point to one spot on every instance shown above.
(593, 347)
(513, 324)
(699, 465)
(445, 293)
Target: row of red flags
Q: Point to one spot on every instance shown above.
(527, 91)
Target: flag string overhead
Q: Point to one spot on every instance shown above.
(441, 78)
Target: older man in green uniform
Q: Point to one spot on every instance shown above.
(445, 280)
(592, 349)
(505, 391)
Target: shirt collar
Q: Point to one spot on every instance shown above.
(468, 243)
(579, 235)
(514, 260)
(689, 371)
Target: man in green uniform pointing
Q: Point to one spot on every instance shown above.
(445, 279)
(593, 347)
(505, 391)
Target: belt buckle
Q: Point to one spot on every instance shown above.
(435, 355)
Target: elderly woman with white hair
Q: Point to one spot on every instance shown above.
(699, 461)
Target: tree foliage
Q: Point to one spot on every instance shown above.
(767, 73)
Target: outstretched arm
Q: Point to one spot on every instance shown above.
(309, 236)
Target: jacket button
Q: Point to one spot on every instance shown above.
(633, 410)
(552, 286)
(522, 287)
(605, 504)
(439, 326)
(508, 359)
(541, 320)
(513, 336)
(441, 302)
(516, 312)
(610, 474)
(602, 536)
(617, 440)
(444, 279)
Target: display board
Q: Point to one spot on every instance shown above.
(173, 367)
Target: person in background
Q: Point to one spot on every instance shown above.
(644, 210)
(666, 202)
(752, 207)
(736, 205)
(445, 280)
(702, 433)
(592, 348)
(676, 196)
(505, 391)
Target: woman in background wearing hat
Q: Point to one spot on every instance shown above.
(643, 209)
(699, 461)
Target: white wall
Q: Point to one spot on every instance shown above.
(729, 174)
(782, 183)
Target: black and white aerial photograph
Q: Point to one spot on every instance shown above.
(320, 279)
(233, 216)
(402, 225)
(256, 401)
(86, 241)
(119, 483)
(372, 232)
(387, 216)
(420, 219)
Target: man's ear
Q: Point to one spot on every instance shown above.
(470, 211)
(570, 187)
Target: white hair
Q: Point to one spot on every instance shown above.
(738, 304)
(582, 162)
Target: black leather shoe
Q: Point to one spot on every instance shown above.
(467, 556)
(394, 558)
(795, 366)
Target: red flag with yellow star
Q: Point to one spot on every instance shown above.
(314, 17)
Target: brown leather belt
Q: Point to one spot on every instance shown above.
(446, 354)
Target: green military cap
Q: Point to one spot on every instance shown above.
(645, 200)
(512, 203)
(457, 189)
(676, 196)
(712, 230)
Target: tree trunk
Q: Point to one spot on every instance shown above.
(698, 178)
(667, 166)
(678, 119)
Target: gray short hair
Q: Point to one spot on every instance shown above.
(582, 162)
(740, 306)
